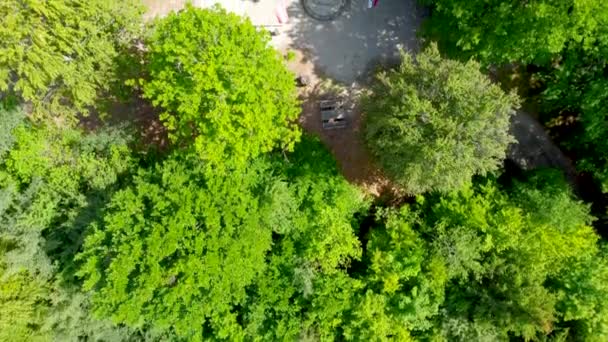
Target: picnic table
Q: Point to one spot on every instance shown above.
(332, 114)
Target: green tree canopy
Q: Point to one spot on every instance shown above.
(499, 32)
(221, 85)
(59, 55)
(52, 183)
(503, 251)
(177, 250)
(433, 123)
(593, 140)
(404, 284)
(568, 42)
(577, 88)
(239, 257)
(305, 291)
(51, 180)
(582, 291)
(20, 296)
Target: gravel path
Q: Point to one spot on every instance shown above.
(535, 149)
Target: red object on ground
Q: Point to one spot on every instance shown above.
(281, 13)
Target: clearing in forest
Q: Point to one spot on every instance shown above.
(341, 52)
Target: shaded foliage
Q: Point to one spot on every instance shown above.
(501, 250)
(59, 55)
(433, 123)
(312, 210)
(499, 32)
(577, 89)
(48, 178)
(565, 40)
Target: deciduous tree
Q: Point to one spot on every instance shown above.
(52, 183)
(314, 213)
(177, 250)
(433, 123)
(502, 249)
(222, 87)
(59, 55)
(499, 32)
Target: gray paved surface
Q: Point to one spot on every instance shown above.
(535, 149)
(345, 48)
(342, 49)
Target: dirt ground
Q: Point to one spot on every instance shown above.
(343, 49)
(344, 53)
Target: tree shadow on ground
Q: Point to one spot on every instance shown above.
(342, 49)
(138, 115)
(340, 56)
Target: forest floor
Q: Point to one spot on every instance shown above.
(339, 56)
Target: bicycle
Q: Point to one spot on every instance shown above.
(325, 10)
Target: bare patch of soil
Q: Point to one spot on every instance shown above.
(346, 144)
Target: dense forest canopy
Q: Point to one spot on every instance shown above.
(59, 56)
(242, 228)
(497, 31)
(433, 123)
(563, 42)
